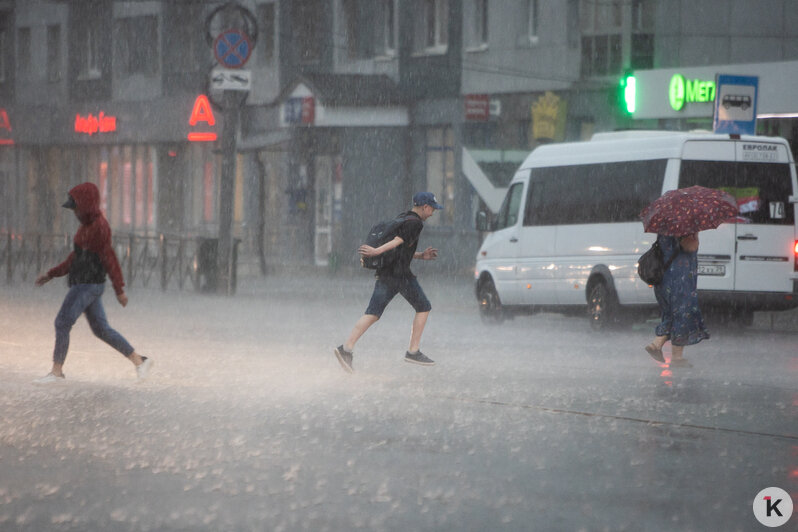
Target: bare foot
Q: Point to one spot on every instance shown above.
(655, 352)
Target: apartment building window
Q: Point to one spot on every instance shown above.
(643, 15)
(386, 38)
(440, 172)
(53, 53)
(266, 20)
(601, 22)
(353, 28)
(642, 53)
(481, 23)
(90, 59)
(3, 54)
(309, 30)
(432, 31)
(6, 45)
(137, 45)
(531, 21)
(23, 52)
(185, 37)
(606, 26)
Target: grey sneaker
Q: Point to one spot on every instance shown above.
(50, 378)
(419, 358)
(344, 358)
(143, 369)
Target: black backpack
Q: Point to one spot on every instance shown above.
(651, 265)
(379, 234)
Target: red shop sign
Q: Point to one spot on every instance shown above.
(5, 129)
(202, 112)
(91, 124)
(477, 107)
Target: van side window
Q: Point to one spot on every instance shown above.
(593, 193)
(762, 190)
(508, 214)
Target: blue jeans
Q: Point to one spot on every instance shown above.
(387, 287)
(85, 298)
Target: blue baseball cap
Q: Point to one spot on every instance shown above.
(426, 198)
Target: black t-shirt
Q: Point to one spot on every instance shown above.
(86, 268)
(408, 231)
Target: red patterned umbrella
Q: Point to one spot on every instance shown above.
(688, 210)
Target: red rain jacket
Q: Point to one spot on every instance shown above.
(93, 255)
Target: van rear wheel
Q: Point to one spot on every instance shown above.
(601, 307)
(490, 306)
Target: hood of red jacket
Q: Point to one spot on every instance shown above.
(87, 201)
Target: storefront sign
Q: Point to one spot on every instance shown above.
(301, 110)
(202, 113)
(477, 107)
(548, 117)
(682, 91)
(91, 124)
(5, 129)
(669, 93)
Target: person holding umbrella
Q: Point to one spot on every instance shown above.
(677, 217)
(677, 296)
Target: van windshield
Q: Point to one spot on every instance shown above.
(762, 190)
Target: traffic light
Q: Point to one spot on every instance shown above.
(628, 88)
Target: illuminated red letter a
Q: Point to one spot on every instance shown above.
(202, 112)
(4, 122)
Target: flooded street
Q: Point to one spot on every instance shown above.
(248, 422)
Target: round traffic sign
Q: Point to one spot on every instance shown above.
(232, 49)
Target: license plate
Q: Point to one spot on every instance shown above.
(711, 269)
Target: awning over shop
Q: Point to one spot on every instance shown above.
(490, 194)
(273, 140)
(343, 100)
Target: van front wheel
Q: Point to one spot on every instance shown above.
(490, 306)
(600, 307)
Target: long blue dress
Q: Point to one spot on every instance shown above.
(678, 297)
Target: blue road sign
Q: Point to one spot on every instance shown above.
(232, 49)
(735, 104)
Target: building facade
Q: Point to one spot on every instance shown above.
(353, 105)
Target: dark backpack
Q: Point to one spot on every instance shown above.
(379, 234)
(651, 265)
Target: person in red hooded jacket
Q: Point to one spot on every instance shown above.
(86, 266)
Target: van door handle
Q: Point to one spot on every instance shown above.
(513, 240)
(748, 237)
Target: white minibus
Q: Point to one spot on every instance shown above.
(568, 233)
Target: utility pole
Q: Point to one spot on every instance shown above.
(232, 29)
(226, 188)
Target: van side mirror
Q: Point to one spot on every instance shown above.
(482, 221)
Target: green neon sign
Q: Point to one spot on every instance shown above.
(629, 87)
(682, 91)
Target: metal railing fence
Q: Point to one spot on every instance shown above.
(169, 261)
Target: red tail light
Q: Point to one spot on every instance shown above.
(795, 253)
